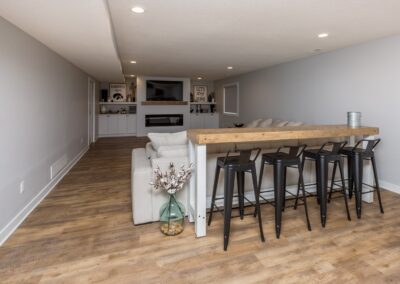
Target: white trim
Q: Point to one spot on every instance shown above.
(6, 232)
(237, 99)
(389, 186)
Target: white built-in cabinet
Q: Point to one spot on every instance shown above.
(204, 120)
(117, 124)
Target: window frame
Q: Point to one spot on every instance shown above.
(237, 99)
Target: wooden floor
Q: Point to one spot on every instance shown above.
(83, 233)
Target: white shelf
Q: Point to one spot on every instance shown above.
(202, 103)
(117, 103)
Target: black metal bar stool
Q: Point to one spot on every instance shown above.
(239, 165)
(323, 158)
(355, 157)
(280, 162)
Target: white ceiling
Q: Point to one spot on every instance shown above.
(78, 30)
(202, 38)
(197, 38)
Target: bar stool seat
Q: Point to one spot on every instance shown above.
(239, 165)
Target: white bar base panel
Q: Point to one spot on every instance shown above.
(197, 197)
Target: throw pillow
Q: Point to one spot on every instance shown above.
(265, 123)
(167, 139)
(279, 123)
(294, 123)
(254, 123)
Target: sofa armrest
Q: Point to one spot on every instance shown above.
(141, 189)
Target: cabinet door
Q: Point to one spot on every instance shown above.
(113, 124)
(103, 124)
(211, 120)
(196, 120)
(131, 120)
(122, 124)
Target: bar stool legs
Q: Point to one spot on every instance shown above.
(357, 175)
(217, 171)
(240, 186)
(228, 196)
(257, 197)
(378, 191)
(301, 184)
(336, 164)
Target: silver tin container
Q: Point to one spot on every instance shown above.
(354, 119)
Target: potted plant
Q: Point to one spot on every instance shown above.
(172, 213)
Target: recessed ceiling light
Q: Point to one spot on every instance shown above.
(199, 78)
(137, 10)
(133, 61)
(229, 67)
(131, 75)
(323, 35)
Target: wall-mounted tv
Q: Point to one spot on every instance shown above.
(164, 90)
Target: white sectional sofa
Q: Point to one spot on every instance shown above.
(146, 202)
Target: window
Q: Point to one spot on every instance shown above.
(231, 99)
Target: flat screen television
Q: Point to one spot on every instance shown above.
(164, 90)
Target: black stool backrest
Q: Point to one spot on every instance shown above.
(336, 147)
(244, 155)
(294, 151)
(371, 144)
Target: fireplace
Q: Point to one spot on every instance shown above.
(164, 120)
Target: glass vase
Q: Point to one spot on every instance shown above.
(172, 216)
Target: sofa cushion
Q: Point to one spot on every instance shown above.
(173, 151)
(167, 139)
(265, 123)
(254, 123)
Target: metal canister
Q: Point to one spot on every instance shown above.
(354, 119)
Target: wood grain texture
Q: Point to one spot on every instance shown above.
(238, 135)
(83, 233)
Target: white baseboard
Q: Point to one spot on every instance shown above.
(390, 186)
(6, 232)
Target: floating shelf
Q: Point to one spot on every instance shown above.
(117, 103)
(164, 103)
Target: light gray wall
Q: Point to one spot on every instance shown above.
(43, 116)
(322, 88)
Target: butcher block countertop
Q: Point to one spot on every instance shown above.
(238, 135)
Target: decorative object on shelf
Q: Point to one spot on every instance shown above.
(212, 108)
(133, 90)
(238, 124)
(191, 97)
(354, 119)
(103, 109)
(118, 92)
(104, 95)
(172, 213)
(200, 93)
(211, 97)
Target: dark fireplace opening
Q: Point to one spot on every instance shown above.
(164, 120)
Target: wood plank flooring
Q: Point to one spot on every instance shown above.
(83, 233)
